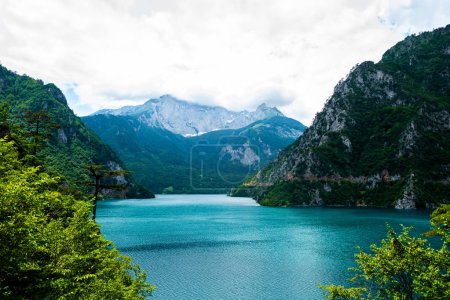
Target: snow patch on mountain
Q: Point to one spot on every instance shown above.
(190, 119)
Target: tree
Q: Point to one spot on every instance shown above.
(440, 221)
(100, 173)
(4, 122)
(402, 267)
(38, 127)
(168, 190)
(50, 249)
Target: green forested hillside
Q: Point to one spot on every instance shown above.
(209, 163)
(50, 247)
(382, 139)
(157, 157)
(64, 144)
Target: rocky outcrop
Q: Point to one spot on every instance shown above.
(62, 136)
(408, 200)
(120, 179)
(244, 154)
(384, 122)
(408, 140)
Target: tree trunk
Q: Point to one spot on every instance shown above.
(97, 190)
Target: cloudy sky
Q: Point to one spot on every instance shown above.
(233, 53)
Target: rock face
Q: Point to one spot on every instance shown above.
(408, 201)
(384, 122)
(190, 119)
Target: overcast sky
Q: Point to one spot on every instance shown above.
(233, 53)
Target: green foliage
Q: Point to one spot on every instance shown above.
(31, 110)
(375, 139)
(50, 248)
(4, 122)
(440, 221)
(289, 193)
(333, 155)
(38, 127)
(330, 192)
(391, 116)
(338, 292)
(103, 180)
(242, 191)
(159, 158)
(168, 190)
(402, 267)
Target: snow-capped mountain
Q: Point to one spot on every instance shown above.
(190, 119)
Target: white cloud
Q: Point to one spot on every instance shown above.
(233, 53)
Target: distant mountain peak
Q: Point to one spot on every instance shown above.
(262, 106)
(166, 97)
(169, 96)
(190, 119)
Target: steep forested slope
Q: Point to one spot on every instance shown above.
(212, 162)
(64, 144)
(382, 139)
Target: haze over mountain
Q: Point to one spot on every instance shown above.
(382, 139)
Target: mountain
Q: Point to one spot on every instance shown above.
(69, 145)
(382, 138)
(224, 158)
(268, 136)
(213, 162)
(190, 119)
(157, 157)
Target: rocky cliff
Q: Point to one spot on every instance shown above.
(382, 138)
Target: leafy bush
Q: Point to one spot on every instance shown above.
(50, 248)
(402, 267)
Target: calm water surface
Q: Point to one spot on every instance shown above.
(216, 247)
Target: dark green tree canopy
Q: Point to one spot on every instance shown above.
(402, 267)
(50, 248)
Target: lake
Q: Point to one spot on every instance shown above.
(217, 247)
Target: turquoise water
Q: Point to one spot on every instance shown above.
(216, 247)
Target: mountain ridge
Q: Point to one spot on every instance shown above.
(162, 159)
(382, 139)
(191, 119)
(70, 146)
